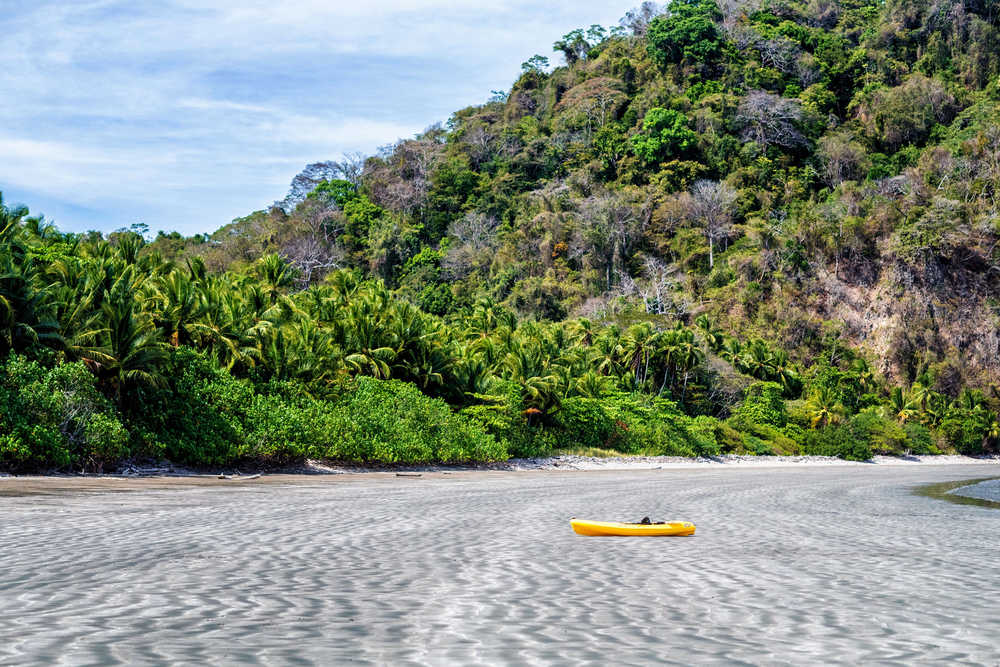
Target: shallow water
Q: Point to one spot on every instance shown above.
(987, 490)
(977, 492)
(793, 566)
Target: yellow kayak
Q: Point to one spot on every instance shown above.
(605, 528)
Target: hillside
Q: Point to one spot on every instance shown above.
(745, 226)
(799, 171)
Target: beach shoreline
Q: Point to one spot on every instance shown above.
(555, 462)
(166, 476)
(803, 564)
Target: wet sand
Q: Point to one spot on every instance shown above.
(790, 565)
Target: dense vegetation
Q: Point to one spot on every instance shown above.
(744, 226)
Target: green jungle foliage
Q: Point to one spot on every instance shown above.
(745, 226)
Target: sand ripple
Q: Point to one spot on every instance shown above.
(793, 566)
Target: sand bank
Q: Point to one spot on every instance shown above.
(809, 564)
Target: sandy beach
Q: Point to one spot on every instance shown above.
(790, 565)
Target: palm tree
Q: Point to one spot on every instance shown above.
(10, 216)
(971, 400)
(921, 395)
(593, 385)
(992, 434)
(900, 405)
(757, 360)
(688, 356)
(276, 274)
(369, 345)
(182, 308)
(607, 355)
(128, 248)
(638, 347)
(25, 315)
(134, 350)
(714, 338)
(732, 351)
(824, 407)
(785, 374)
(669, 349)
(469, 376)
(39, 229)
(225, 327)
(526, 366)
(863, 374)
(583, 332)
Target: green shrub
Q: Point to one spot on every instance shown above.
(760, 438)
(656, 427)
(795, 433)
(394, 422)
(193, 420)
(584, 422)
(721, 276)
(504, 418)
(965, 430)
(105, 440)
(919, 440)
(756, 446)
(208, 417)
(56, 418)
(839, 441)
(703, 431)
(730, 439)
(882, 435)
(762, 404)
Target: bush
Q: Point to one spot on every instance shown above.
(192, 420)
(583, 422)
(756, 446)
(839, 441)
(504, 418)
(702, 431)
(759, 439)
(56, 418)
(882, 435)
(105, 440)
(762, 404)
(391, 421)
(919, 440)
(208, 417)
(656, 427)
(965, 430)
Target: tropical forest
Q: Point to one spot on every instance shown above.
(760, 227)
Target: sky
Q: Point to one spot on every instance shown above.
(184, 114)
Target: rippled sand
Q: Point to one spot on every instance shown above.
(800, 565)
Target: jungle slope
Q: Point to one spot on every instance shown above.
(796, 171)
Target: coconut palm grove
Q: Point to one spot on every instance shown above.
(752, 227)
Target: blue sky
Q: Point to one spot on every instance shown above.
(184, 114)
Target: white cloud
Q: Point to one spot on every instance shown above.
(193, 111)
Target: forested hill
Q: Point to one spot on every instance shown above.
(740, 225)
(798, 171)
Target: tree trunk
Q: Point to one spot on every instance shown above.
(666, 374)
